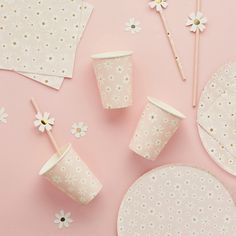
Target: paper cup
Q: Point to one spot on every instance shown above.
(114, 78)
(157, 125)
(71, 175)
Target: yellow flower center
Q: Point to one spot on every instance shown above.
(43, 122)
(158, 1)
(197, 22)
(78, 130)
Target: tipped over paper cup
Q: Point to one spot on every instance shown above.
(71, 175)
(157, 125)
(113, 72)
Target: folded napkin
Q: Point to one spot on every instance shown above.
(39, 38)
(219, 120)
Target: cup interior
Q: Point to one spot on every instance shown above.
(166, 107)
(115, 54)
(54, 160)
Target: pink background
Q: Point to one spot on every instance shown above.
(29, 202)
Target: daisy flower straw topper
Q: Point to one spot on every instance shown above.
(159, 5)
(197, 23)
(44, 123)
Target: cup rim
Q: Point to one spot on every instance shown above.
(107, 55)
(54, 160)
(166, 107)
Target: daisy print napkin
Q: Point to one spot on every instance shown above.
(219, 121)
(40, 37)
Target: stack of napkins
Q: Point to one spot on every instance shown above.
(38, 38)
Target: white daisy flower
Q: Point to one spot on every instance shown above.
(79, 129)
(63, 219)
(3, 115)
(107, 65)
(44, 121)
(133, 26)
(120, 69)
(152, 117)
(56, 179)
(197, 21)
(158, 4)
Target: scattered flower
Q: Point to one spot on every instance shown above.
(133, 26)
(63, 219)
(44, 121)
(79, 129)
(3, 115)
(158, 4)
(197, 21)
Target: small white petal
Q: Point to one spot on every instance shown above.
(192, 16)
(204, 20)
(37, 123)
(39, 116)
(46, 116)
(193, 28)
(201, 27)
(68, 214)
(164, 4)
(42, 128)
(189, 22)
(48, 127)
(152, 4)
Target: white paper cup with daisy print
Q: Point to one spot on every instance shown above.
(71, 175)
(157, 125)
(113, 71)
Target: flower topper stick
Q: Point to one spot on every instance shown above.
(197, 22)
(159, 5)
(172, 45)
(49, 133)
(196, 60)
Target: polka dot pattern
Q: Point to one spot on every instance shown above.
(177, 201)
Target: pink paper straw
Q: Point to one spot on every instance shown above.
(172, 45)
(49, 133)
(196, 62)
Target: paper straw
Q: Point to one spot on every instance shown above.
(49, 133)
(196, 61)
(172, 45)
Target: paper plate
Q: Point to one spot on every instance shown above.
(223, 81)
(177, 201)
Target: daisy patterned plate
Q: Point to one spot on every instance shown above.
(213, 110)
(177, 200)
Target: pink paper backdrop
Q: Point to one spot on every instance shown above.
(28, 202)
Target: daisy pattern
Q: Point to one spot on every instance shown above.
(79, 129)
(63, 219)
(152, 117)
(3, 115)
(133, 26)
(44, 121)
(158, 4)
(197, 21)
(120, 69)
(70, 179)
